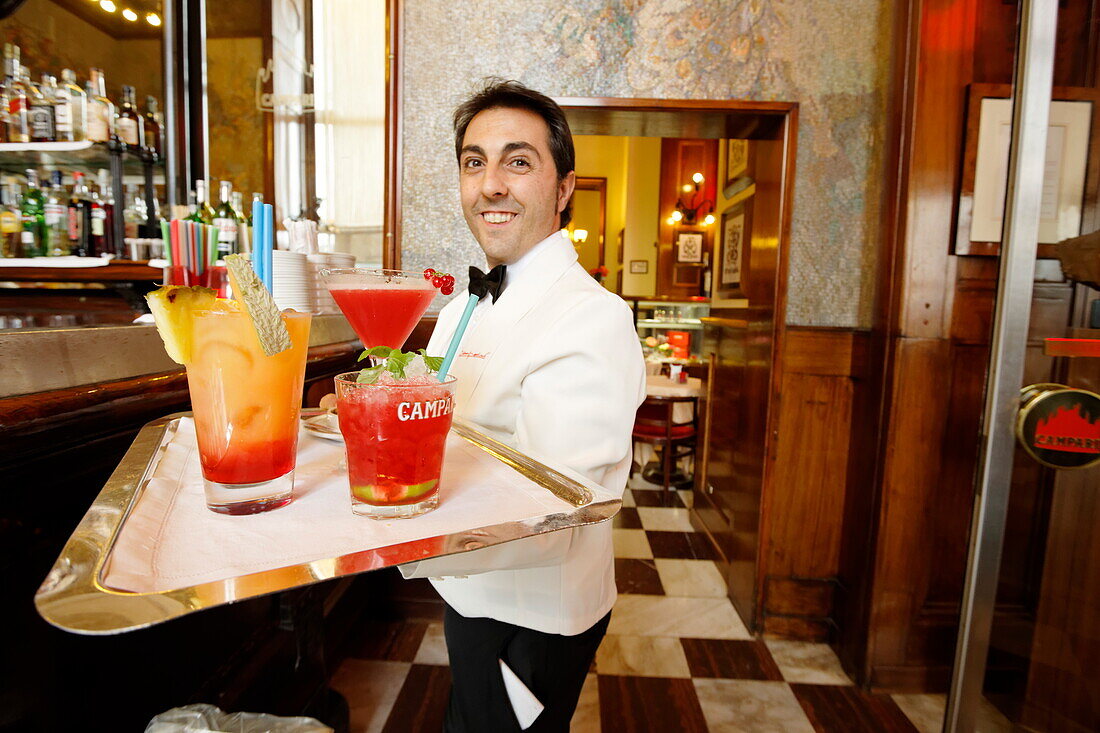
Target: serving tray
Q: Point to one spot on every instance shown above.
(80, 595)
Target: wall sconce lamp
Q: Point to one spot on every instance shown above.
(690, 212)
(580, 236)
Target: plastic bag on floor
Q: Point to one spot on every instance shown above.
(203, 718)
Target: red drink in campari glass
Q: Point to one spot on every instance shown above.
(383, 306)
(395, 433)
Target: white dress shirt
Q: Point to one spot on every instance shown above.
(554, 367)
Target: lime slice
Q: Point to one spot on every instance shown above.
(420, 489)
(265, 315)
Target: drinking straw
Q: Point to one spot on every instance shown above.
(212, 255)
(257, 237)
(269, 245)
(174, 244)
(167, 240)
(200, 250)
(452, 349)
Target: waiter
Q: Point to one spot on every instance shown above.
(550, 363)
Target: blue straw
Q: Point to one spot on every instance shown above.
(257, 231)
(269, 245)
(452, 350)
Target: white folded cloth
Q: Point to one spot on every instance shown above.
(524, 703)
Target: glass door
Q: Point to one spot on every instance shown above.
(1028, 637)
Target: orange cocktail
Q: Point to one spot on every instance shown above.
(246, 407)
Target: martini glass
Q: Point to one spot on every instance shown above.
(383, 306)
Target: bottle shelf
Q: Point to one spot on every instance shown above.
(84, 155)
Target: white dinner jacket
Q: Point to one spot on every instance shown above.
(554, 367)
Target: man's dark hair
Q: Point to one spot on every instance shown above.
(496, 93)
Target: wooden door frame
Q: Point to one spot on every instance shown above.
(395, 66)
(743, 119)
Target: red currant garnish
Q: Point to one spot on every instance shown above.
(428, 273)
(447, 288)
(449, 280)
(437, 281)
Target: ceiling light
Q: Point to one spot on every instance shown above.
(107, 5)
(129, 15)
(153, 19)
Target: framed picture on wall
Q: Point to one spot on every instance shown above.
(639, 267)
(737, 161)
(731, 256)
(1070, 149)
(689, 247)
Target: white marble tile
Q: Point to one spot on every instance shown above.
(694, 578)
(806, 662)
(433, 649)
(586, 718)
(925, 712)
(750, 706)
(642, 656)
(370, 687)
(665, 519)
(702, 618)
(631, 543)
(628, 498)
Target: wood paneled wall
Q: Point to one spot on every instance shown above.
(804, 526)
(932, 319)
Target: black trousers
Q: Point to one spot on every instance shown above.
(552, 666)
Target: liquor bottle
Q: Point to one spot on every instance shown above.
(255, 197)
(133, 216)
(34, 237)
(153, 127)
(70, 110)
(129, 126)
(40, 110)
(80, 218)
(237, 201)
(19, 130)
(225, 219)
(11, 224)
(102, 204)
(56, 214)
(203, 213)
(101, 112)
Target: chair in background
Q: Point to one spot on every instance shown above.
(655, 425)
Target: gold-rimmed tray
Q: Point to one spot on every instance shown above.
(76, 597)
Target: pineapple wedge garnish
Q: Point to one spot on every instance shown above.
(173, 307)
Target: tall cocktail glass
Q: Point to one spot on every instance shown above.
(383, 306)
(246, 406)
(395, 435)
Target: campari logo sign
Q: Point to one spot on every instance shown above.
(1060, 426)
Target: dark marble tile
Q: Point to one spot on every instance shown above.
(848, 709)
(394, 641)
(422, 703)
(653, 497)
(733, 659)
(681, 545)
(627, 518)
(638, 576)
(630, 704)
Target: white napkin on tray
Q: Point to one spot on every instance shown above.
(171, 540)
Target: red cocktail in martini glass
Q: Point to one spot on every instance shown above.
(383, 306)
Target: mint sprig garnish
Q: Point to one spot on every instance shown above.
(394, 361)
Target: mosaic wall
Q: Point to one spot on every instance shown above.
(830, 57)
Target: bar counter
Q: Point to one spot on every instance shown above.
(71, 403)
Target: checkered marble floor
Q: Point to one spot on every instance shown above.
(676, 656)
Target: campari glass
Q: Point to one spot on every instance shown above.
(246, 406)
(383, 306)
(395, 433)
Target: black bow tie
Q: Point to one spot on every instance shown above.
(491, 284)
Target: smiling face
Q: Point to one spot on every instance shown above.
(511, 195)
